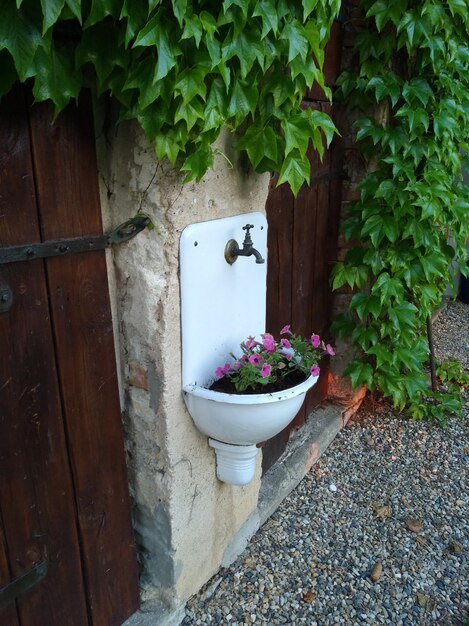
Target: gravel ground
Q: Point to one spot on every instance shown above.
(388, 500)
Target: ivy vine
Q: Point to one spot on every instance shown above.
(411, 221)
(183, 69)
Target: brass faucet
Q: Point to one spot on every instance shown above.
(233, 251)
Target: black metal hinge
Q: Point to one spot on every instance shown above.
(64, 247)
(23, 583)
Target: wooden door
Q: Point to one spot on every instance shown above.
(302, 245)
(63, 486)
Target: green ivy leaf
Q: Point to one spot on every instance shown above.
(190, 112)
(308, 8)
(387, 287)
(295, 170)
(365, 304)
(266, 11)
(360, 373)
(247, 49)
(100, 9)
(197, 164)
(294, 33)
(382, 353)
(322, 121)
(458, 7)
(381, 12)
(297, 131)
(51, 10)
(166, 146)
(55, 78)
(259, 142)
(179, 10)
(352, 275)
(193, 28)
(75, 8)
(417, 89)
(135, 12)
(402, 315)
(99, 46)
(190, 83)
(243, 100)
(156, 33)
(20, 36)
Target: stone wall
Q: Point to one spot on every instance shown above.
(183, 516)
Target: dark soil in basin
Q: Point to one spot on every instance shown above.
(225, 385)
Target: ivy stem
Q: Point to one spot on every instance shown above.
(432, 352)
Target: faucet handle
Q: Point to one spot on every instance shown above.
(247, 239)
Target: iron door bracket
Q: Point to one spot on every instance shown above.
(64, 247)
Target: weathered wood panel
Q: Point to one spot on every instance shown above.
(309, 227)
(8, 614)
(36, 491)
(78, 289)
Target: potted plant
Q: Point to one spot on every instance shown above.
(255, 395)
(270, 365)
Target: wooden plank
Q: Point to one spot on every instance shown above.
(279, 209)
(8, 614)
(36, 492)
(67, 187)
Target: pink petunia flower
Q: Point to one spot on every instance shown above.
(315, 340)
(265, 370)
(250, 343)
(236, 365)
(286, 330)
(255, 359)
(268, 342)
(315, 370)
(285, 343)
(221, 371)
(244, 358)
(330, 350)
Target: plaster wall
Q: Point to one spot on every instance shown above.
(183, 516)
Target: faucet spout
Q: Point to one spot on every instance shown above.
(258, 256)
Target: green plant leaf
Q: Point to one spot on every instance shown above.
(190, 83)
(360, 373)
(365, 304)
(266, 11)
(100, 9)
(193, 28)
(324, 122)
(55, 79)
(197, 164)
(259, 142)
(20, 36)
(243, 100)
(295, 170)
(294, 33)
(297, 131)
(387, 287)
(51, 10)
(99, 46)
